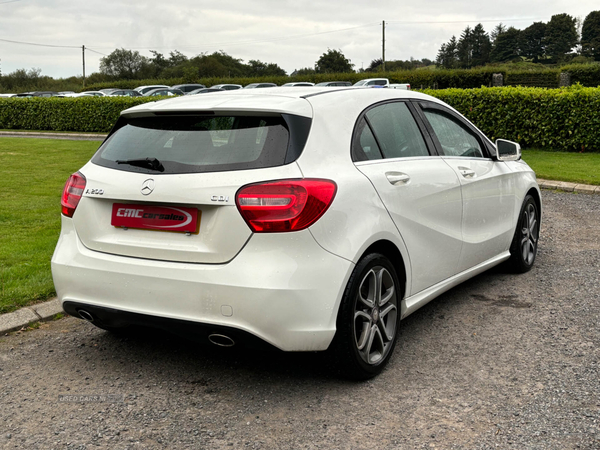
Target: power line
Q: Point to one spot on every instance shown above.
(9, 1)
(100, 53)
(39, 45)
(459, 21)
(257, 41)
(278, 39)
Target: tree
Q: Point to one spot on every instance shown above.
(218, 64)
(22, 79)
(590, 36)
(465, 49)
(176, 58)
(447, 55)
(533, 41)
(123, 64)
(561, 36)
(481, 46)
(375, 65)
(499, 29)
(303, 71)
(333, 61)
(158, 61)
(260, 69)
(506, 46)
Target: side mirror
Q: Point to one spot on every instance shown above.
(507, 150)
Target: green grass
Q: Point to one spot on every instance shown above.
(32, 175)
(100, 134)
(560, 166)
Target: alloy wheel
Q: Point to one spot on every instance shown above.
(375, 315)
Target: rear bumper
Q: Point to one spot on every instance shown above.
(282, 288)
(199, 332)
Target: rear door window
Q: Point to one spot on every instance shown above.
(388, 130)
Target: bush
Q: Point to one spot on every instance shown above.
(587, 75)
(84, 114)
(565, 119)
(546, 79)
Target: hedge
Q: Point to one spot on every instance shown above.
(563, 119)
(585, 74)
(460, 78)
(83, 114)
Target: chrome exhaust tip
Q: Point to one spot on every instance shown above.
(85, 315)
(221, 340)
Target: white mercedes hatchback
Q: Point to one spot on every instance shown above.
(302, 220)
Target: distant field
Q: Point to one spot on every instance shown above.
(33, 175)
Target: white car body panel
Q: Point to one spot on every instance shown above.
(489, 203)
(283, 288)
(427, 215)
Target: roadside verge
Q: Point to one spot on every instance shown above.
(30, 314)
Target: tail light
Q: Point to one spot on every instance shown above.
(72, 193)
(285, 205)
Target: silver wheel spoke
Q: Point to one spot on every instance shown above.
(366, 292)
(387, 295)
(384, 326)
(375, 347)
(365, 336)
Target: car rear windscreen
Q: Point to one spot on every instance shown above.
(190, 143)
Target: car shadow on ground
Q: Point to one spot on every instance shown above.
(141, 347)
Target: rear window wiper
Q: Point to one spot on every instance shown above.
(148, 163)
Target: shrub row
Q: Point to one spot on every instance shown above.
(587, 75)
(83, 114)
(564, 119)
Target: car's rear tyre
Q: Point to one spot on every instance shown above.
(368, 319)
(523, 249)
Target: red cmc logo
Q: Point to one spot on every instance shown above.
(166, 218)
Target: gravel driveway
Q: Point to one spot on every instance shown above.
(502, 361)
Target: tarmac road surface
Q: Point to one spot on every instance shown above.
(502, 361)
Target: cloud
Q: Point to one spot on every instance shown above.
(290, 33)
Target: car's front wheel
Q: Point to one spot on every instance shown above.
(523, 249)
(368, 319)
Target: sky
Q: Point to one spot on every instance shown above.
(292, 34)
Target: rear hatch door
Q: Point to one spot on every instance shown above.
(164, 188)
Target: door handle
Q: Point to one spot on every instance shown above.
(466, 172)
(397, 178)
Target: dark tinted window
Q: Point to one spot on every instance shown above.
(364, 145)
(187, 144)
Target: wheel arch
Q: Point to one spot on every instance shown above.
(391, 252)
(535, 193)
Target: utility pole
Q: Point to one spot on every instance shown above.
(83, 57)
(383, 46)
